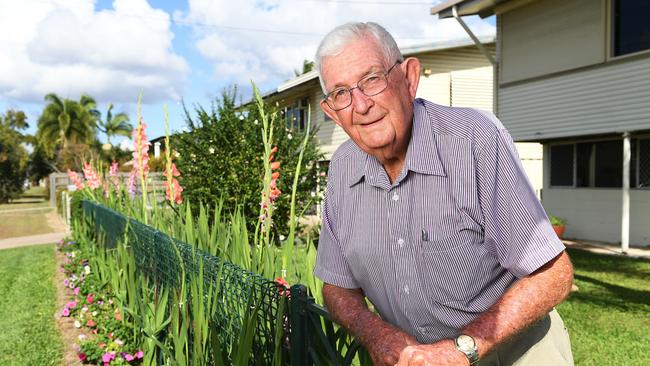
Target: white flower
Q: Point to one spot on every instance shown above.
(87, 269)
(241, 118)
(84, 309)
(255, 122)
(277, 104)
(313, 194)
(119, 342)
(94, 313)
(211, 150)
(72, 255)
(81, 336)
(77, 324)
(176, 154)
(289, 136)
(282, 237)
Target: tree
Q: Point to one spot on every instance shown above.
(13, 155)
(221, 157)
(307, 66)
(65, 121)
(115, 125)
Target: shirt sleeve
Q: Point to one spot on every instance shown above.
(516, 226)
(331, 265)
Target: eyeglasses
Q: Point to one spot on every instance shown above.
(370, 85)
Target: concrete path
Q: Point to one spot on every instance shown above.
(609, 249)
(24, 241)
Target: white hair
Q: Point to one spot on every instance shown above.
(339, 37)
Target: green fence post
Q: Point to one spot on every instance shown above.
(298, 336)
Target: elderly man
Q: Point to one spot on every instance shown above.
(428, 214)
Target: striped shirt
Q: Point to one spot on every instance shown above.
(446, 239)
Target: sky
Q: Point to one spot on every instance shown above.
(181, 52)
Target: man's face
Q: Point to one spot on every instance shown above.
(380, 125)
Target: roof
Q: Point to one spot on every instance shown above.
(406, 51)
(483, 8)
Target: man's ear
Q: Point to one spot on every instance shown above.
(411, 67)
(330, 112)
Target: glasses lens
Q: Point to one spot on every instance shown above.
(373, 84)
(339, 98)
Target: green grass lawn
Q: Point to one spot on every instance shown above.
(23, 224)
(609, 317)
(27, 306)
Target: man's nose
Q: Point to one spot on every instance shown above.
(360, 101)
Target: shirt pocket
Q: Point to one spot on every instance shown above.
(448, 268)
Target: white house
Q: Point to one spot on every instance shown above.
(454, 73)
(574, 75)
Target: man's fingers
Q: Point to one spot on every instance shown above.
(405, 357)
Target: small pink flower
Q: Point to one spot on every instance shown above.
(82, 357)
(66, 282)
(139, 354)
(65, 312)
(101, 345)
(90, 323)
(71, 305)
(108, 357)
(89, 298)
(76, 291)
(128, 357)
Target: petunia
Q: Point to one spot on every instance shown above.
(108, 357)
(66, 282)
(82, 357)
(128, 357)
(139, 354)
(71, 305)
(90, 323)
(76, 291)
(89, 298)
(65, 312)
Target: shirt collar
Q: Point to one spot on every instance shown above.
(421, 156)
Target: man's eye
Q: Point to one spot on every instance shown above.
(372, 79)
(340, 93)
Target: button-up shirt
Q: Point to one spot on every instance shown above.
(446, 239)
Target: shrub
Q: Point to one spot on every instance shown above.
(220, 156)
(556, 221)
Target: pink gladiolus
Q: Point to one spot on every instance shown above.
(76, 180)
(113, 174)
(92, 178)
(139, 354)
(141, 150)
(130, 184)
(65, 312)
(174, 189)
(89, 298)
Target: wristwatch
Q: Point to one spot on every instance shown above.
(467, 345)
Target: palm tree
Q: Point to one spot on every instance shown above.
(115, 124)
(65, 121)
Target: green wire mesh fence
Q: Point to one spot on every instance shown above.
(308, 337)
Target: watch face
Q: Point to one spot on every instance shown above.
(465, 343)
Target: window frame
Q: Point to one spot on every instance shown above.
(609, 36)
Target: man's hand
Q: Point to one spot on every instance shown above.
(441, 353)
(385, 348)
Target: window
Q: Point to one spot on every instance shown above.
(599, 164)
(562, 165)
(296, 115)
(631, 26)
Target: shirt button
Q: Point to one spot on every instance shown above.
(400, 242)
(395, 197)
(406, 289)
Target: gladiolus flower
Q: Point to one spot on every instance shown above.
(130, 184)
(174, 189)
(76, 180)
(141, 150)
(275, 165)
(92, 178)
(113, 174)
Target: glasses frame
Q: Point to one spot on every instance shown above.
(383, 74)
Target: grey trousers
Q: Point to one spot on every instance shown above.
(544, 343)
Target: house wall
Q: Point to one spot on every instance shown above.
(556, 78)
(595, 214)
(544, 37)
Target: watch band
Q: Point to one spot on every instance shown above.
(467, 345)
